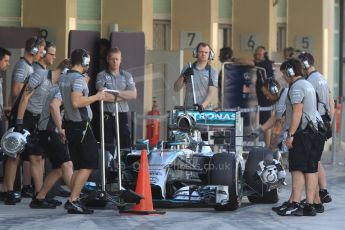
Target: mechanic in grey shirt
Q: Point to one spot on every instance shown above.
(34, 47)
(304, 141)
(29, 110)
(52, 139)
(48, 57)
(82, 144)
(113, 77)
(4, 64)
(325, 98)
(205, 78)
(325, 106)
(272, 90)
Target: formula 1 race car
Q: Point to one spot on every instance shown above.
(186, 169)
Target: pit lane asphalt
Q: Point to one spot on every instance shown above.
(248, 216)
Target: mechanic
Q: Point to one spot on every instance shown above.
(261, 60)
(82, 144)
(205, 79)
(304, 141)
(115, 78)
(288, 53)
(325, 106)
(30, 108)
(34, 48)
(52, 139)
(48, 57)
(277, 95)
(225, 55)
(4, 64)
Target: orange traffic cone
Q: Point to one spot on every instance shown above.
(143, 188)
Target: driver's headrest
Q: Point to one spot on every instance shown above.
(186, 123)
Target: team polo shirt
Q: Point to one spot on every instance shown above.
(122, 81)
(322, 90)
(41, 81)
(301, 91)
(46, 121)
(202, 79)
(279, 107)
(73, 81)
(37, 66)
(22, 70)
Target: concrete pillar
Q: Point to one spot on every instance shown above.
(131, 16)
(254, 24)
(194, 21)
(310, 28)
(57, 17)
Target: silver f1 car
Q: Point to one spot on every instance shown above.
(202, 163)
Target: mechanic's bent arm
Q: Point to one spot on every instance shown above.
(128, 94)
(80, 101)
(16, 88)
(270, 122)
(179, 83)
(28, 91)
(55, 113)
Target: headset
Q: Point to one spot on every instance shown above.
(35, 47)
(304, 60)
(272, 87)
(85, 58)
(196, 49)
(289, 70)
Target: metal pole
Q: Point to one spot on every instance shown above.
(118, 141)
(115, 93)
(169, 123)
(192, 81)
(102, 146)
(257, 122)
(134, 127)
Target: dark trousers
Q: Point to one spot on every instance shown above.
(110, 131)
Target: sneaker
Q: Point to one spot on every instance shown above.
(309, 210)
(319, 208)
(63, 193)
(27, 191)
(17, 196)
(76, 207)
(303, 202)
(281, 207)
(41, 204)
(324, 196)
(292, 209)
(12, 198)
(2, 196)
(54, 202)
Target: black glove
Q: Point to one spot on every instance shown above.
(188, 72)
(18, 128)
(200, 108)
